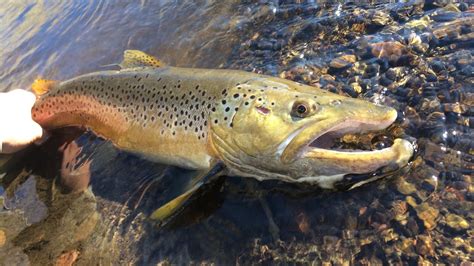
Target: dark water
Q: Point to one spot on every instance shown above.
(416, 57)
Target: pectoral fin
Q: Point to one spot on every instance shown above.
(176, 205)
(136, 58)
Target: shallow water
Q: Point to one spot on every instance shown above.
(423, 215)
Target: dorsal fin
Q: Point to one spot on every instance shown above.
(41, 86)
(136, 58)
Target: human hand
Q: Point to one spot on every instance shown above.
(17, 128)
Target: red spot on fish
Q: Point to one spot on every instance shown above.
(263, 110)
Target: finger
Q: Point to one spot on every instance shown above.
(23, 95)
(36, 131)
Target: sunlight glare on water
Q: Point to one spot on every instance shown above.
(61, 39)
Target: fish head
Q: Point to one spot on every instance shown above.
(285, 130)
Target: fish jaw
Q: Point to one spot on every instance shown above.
(309, 161)
(330, 167)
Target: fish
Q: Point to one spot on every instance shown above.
(253, 125)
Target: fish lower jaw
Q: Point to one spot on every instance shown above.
(323, 181)
(346, 170)
(359, 162)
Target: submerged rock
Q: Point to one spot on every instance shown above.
(343, 61)
(456, 222)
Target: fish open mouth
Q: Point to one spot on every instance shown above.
(361, 159)
(331, 163)
(332, 140)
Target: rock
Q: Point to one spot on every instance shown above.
(455, 108)
(343, 61)
(458, 242)
(424, 212)
(381, 18)
(303, 223)
(427, 214)
(406, 245)
(389, 235)
(3, 238)
(419, 23)
(67, 259)
(388, 49)
(265, 45)
(405, 188)
(424, 245)
(456, 222)
(86, 227)
(399, 210)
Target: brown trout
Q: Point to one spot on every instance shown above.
(257, 126)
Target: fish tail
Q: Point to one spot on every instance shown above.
(41, 86)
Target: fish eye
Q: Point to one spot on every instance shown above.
(301, 109)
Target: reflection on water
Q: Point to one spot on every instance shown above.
(414, 57)
(61, 39)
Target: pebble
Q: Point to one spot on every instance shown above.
(424, 245)
(343, 61)
(392, 50)
(456, 222)
(67, 259)
(3, 238)
(405, 188)
(425, 213)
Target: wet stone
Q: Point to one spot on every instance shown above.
(456, 222)
(67, 258)
(343, 61)
(424, 245)
(392, 50)
(428, 215)
(265, 45)
(3, 238)
(405, 188)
